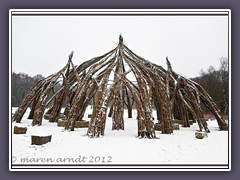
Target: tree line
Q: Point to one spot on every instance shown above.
(216, 83)
(21, 83)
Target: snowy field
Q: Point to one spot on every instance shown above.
(119, 147)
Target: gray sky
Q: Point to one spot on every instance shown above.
(41, 44)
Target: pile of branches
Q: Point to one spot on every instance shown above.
(173, 96)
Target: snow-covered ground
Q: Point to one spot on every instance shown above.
(119, 147)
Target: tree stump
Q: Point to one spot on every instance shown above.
(61, 116)
(19, 130)
(82, 124)
(200, 135)
(78, 124)
(47, 116)
(62, 123)
(39, 140)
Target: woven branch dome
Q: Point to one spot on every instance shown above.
(172, 95)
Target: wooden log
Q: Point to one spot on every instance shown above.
(40, 140)
(33, 107)
(82, 124)
(61, 116)
(74, 111)
(47, 116)
(201, 135)
(19, 130)
(78, 124)
(41, 104)
(129, 104)
(57, 105)
(98, 119)
(31, 95)
(142, 94)
(118, 99)
(102, 100)
(62, 123)
(89, 95)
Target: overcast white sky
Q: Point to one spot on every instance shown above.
(41, 44)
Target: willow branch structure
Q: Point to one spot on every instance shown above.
(172, 95)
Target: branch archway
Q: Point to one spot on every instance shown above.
(170, 93)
